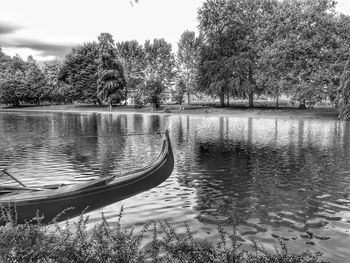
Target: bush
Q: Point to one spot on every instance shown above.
(74, 242)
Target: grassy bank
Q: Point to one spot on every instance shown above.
(74, 242)
(204, 110)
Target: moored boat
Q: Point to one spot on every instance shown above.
(26, 203)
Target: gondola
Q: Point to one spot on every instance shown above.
(26, 203)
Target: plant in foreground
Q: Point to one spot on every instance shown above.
(76, 242)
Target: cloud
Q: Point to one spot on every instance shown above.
(43, 48)
(8, 28)
(8, 39)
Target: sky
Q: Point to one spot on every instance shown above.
(48, 29)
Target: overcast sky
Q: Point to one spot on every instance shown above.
(47, 29)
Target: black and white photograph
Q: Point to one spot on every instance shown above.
(174, 131)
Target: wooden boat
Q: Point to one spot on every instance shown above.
(26, 203)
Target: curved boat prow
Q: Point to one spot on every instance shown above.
(92, 195)
(167, 139)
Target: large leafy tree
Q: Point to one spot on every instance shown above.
(216, 69)
(35, 82)
(4, 61)
(110, 76)
(131, 55)
(12, 86)
(307, 50)
(12, 80)
(187, 61)
(53, 88)
(159, 69)
(79, 72)
(4, 65)
(274, 62)
(343, 99)
(316, 47)
(231, 31)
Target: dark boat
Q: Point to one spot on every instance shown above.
(84, 197)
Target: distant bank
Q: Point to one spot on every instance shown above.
(318, 113)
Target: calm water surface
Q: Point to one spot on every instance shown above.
(273, 178)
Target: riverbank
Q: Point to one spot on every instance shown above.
(317, 113)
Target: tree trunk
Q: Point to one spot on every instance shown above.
(154, 105)
(155, 102)
(302, 104)
(222, 99)
(228, 100)
(251, 93)
(110, 105)
(251, 99)
(126, 95)
(277, 99)
(188, 97)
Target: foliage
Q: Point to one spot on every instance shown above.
(152, 91)
(159, 69)
(245, 48)
(343, 99)
(4, 61)
(187, 61)
(307, 47)
(138, 99)
(17, 82)
(35, 82)
(297, 48)
(79, 72)
(178, 93)
(52, 91)
(12, 88)
(231, 31)
(75, 242)
(131, 56)
(110, 75)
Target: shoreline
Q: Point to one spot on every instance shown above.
(284, 113)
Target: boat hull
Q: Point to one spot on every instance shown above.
(51, 203)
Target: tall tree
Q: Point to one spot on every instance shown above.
(159, 69)
(274, 65)
(35, 82)
(4, 61)
(231, 49)
(111, 80)
(52, 91)
(344, 93)
(131, 55)
(187, 61)
(12, 86)
(79, 72)
(307, 49)
(12, 80)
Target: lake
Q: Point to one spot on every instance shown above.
(271, 178)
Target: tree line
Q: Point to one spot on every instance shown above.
(297, 48)
(245, 48)
(97, 72)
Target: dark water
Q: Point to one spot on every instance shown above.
(273, 178)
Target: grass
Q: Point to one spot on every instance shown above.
(74, 242)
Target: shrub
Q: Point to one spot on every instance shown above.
(74, 242)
